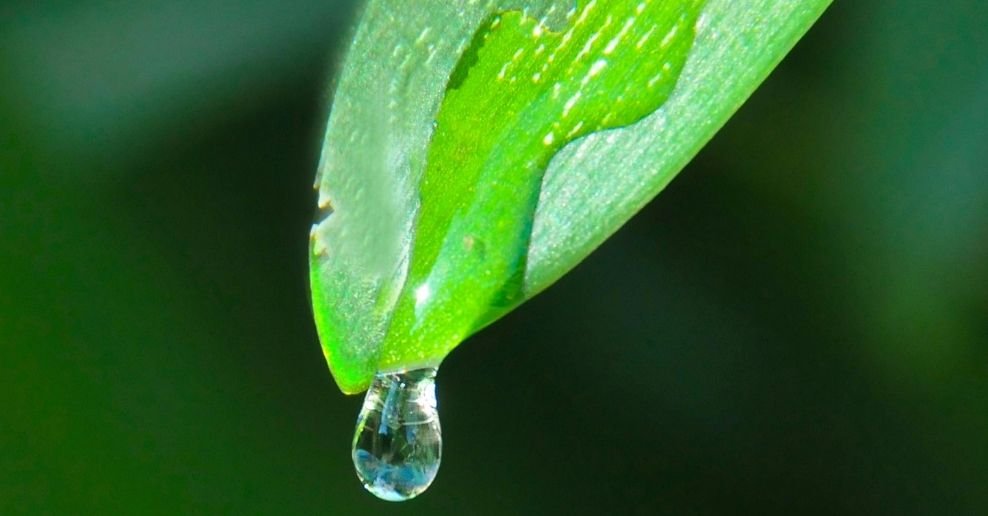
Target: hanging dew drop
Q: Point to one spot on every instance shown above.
(398, 442)
(461, 251)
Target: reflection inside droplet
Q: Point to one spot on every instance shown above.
(398, 441)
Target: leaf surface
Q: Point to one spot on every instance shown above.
(476, 153)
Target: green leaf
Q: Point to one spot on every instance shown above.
(476, 153)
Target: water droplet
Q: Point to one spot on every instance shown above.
(398, 442)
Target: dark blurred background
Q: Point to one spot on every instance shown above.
(797, 325)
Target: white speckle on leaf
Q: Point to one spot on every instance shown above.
(576, 128)
(667, 40)
(586, 12)
(570, 103)
(568, 35)
(653, 80)
(644, 38)
(422, 293)
(613, 43)
(422, 35)
(702, 22)
(586, 48)
(595, 70)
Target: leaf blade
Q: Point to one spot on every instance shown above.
(709, 91)
(358, 293)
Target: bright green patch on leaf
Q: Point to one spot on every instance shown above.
(449, 206)
(523, 93)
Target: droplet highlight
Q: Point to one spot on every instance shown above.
(397, 445)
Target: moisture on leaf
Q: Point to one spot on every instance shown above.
(474, 153)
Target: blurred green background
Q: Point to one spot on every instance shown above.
(797, 325)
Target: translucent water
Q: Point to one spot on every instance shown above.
(398, 442)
